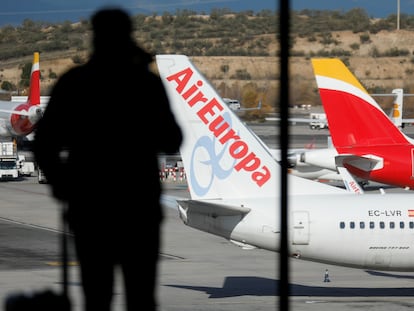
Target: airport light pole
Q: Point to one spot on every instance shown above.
(398, 14)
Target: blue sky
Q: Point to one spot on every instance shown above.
(15, 11)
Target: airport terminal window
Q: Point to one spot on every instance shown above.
(342, 225)
(392, 225)
(352, 225)
(361, 225)
(382, 225)
(371, 225)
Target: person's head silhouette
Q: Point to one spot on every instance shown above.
(112, 29)
(112, 35)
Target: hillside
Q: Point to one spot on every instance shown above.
(382, 61)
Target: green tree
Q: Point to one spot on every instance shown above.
(8, 86)
(25, 75)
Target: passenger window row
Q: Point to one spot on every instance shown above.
(373, 224)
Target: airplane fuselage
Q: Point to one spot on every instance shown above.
(351, 233)
(16, 124)
(235, 185)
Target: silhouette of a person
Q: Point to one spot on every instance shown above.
(104, 118)
(326, 276)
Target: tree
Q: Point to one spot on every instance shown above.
(8, 86)
(25, 75)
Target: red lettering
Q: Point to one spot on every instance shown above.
(190, 92)
(238, 149)
(209, 109)
(261, 178)
(192, 89)
(229, 135)
(218, 126)
(199, 97)
(249, 163)
(181, 78)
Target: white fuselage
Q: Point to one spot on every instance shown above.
(18, 118)
(337, 229)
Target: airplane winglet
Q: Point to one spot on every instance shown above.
(350, 183)
(397, 107)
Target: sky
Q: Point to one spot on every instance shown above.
(14, 12)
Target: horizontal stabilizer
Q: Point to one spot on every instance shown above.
(365, 163)
(243, 245)
(213, 208)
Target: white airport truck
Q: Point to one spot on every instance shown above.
(233, 104)
(13, 165)
(318, 121)
(9, 162)
(26, 168)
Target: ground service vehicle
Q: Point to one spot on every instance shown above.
(318, 121)
(9, 161)
(233, 104)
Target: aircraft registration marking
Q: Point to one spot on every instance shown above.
(387, 213)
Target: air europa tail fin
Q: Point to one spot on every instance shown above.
(34, 88)
(354, 117)
(223, 159)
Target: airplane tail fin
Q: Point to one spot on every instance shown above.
(397, 107)
(223, 159)
(355, 118)
(34, 88)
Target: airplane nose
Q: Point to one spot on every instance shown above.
(303, 157)
(35, 114)
(39, 112)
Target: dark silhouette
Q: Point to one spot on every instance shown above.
(111, 117)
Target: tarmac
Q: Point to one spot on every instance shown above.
(197, 271)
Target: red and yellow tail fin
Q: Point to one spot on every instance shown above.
(34, 89)
(354, 117)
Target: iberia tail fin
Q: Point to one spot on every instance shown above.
(223, 159)
(355, 118)
(34, 88)
(25, 115)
